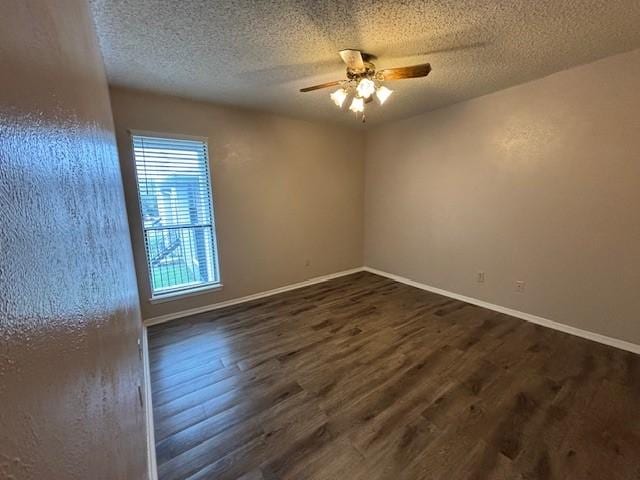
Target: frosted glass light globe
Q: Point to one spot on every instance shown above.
(366, 88)
(357, 105)
(383, 93)
(338, 97)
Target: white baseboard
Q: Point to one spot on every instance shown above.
(545, 322)
(152, 466)
(248, 298)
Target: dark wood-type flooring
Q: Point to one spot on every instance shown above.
(363, 378)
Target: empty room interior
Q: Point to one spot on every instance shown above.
(337, 240)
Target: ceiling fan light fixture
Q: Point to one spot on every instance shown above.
(339, 96)
(366, 87)
(357, 105)
(363, 80)
(383, 93)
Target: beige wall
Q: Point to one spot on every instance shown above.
(540, 183)
(69, 317)
(286, 191)
(533, 183)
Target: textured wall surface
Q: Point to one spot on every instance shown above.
(539, 183)
(285, 191)
(259, 53)
(69, 315)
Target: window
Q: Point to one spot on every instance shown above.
(174, 190)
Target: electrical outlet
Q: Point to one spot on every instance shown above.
(519, 286)
(480, 277)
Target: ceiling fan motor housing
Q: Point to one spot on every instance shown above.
(368, 72)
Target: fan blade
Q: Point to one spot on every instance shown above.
(353, 59)
(413, 71)
(322, 85)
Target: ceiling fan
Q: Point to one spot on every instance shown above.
(363, 80)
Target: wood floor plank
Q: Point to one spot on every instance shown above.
(363, 378)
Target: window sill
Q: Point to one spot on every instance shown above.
(168, 297)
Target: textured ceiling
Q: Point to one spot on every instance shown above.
(259, 53)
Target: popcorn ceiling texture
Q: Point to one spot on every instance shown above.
(259, 53)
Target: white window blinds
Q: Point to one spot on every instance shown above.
(176, 206)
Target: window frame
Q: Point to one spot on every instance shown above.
(189, 291)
